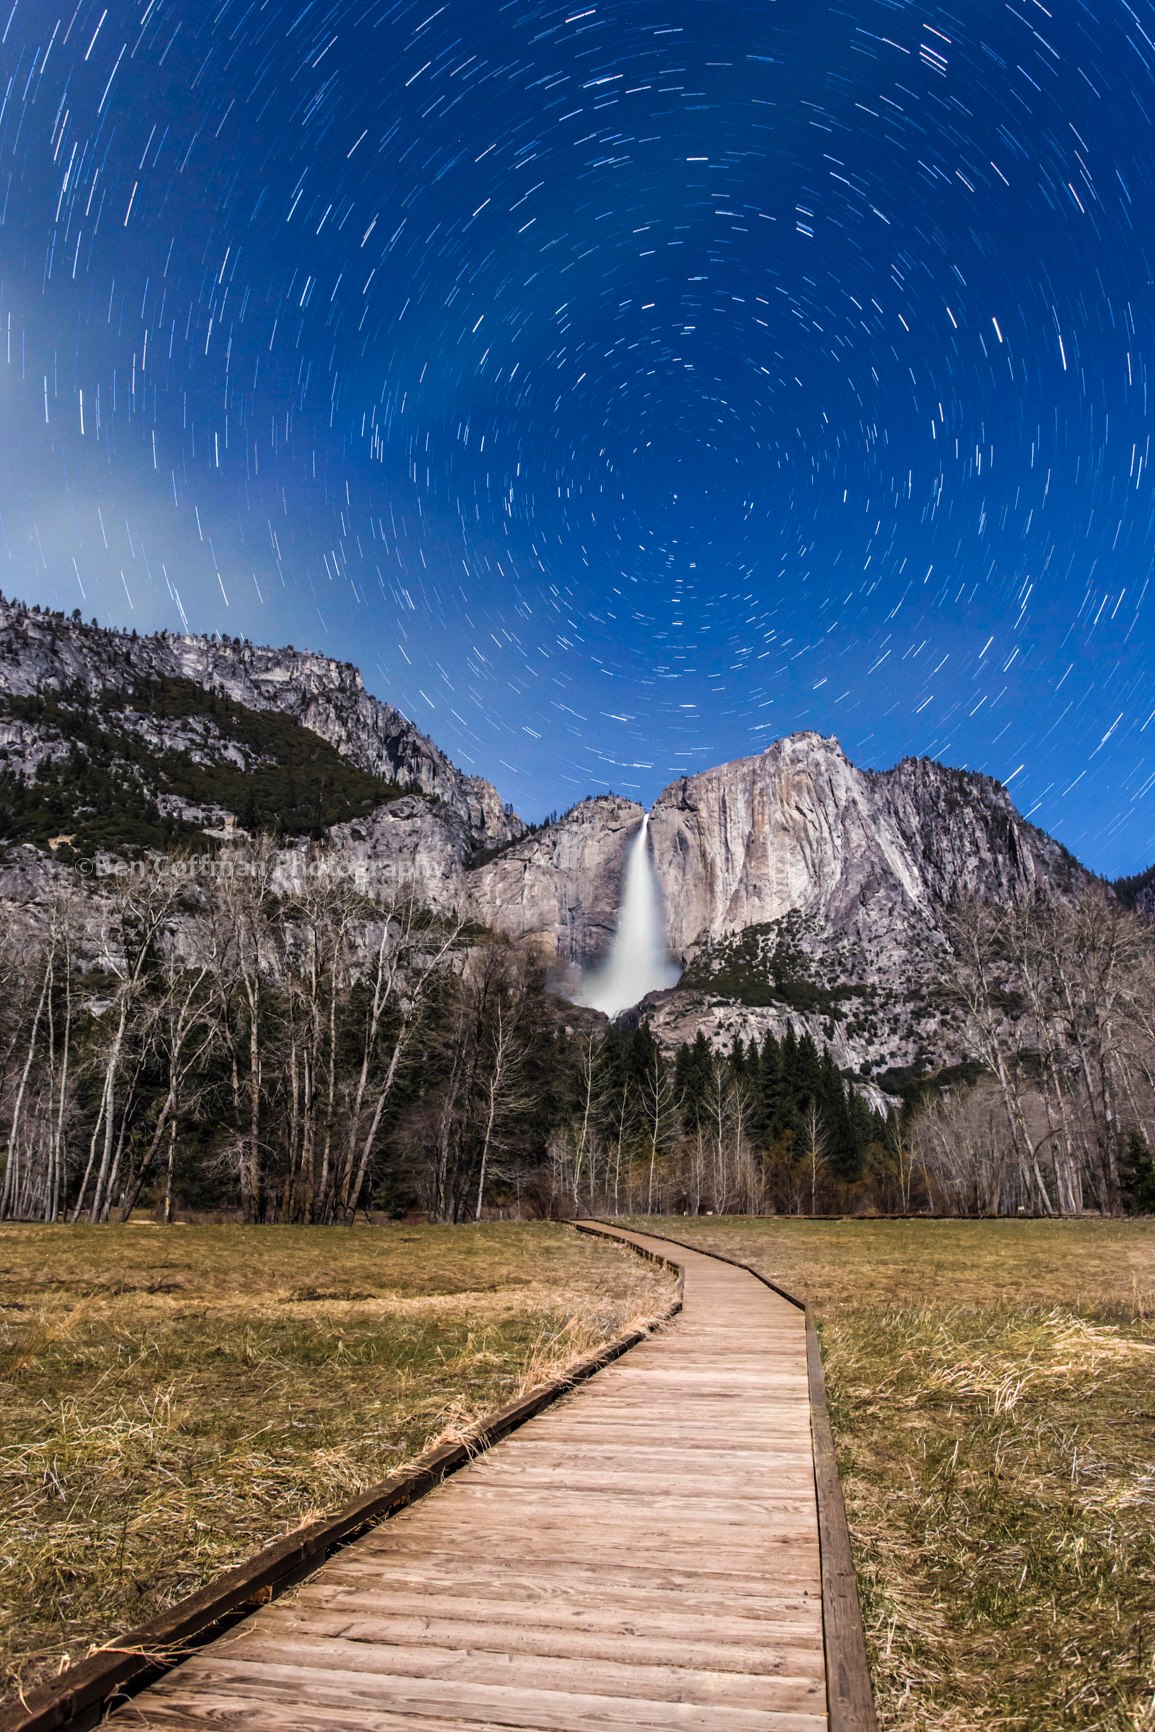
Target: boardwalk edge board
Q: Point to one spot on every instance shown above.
(849, 1697)
(79, 1697)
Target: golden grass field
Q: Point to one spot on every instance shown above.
(992, 1389)
(171, 1398)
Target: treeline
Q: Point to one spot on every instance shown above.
(745, 1130)
(1057, 1002)
(257, 1031)
(260, 1033)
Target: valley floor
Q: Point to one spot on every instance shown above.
(992, 1389)
(173, 1398)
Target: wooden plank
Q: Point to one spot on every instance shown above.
(514, 1604)
(356, 1663)
(437, 1706)
(721, 1644)
(639, 1503)
(587, 1575)
(652, 1543)
(541, 1710)
(582, 1587)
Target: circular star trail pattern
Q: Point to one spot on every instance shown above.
(621, 386)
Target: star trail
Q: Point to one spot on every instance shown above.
(621, 386)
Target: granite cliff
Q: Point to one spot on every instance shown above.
(801, 889)
(796, 887)
(52, 668)
(560, 887)
(875, 857)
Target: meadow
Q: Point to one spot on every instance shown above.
(171, 1398)
(992, 1389)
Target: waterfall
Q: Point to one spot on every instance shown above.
(638, 961)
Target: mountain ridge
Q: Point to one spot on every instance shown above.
(46, 651)
(798, 889)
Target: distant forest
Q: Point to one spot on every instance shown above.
(251, 1033)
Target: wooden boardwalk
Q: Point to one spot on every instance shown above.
(643, 1554)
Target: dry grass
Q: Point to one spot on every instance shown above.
(172, 1398)
(993, 1396)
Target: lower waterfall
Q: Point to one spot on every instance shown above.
(638, 961)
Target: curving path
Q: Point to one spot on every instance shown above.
(643, 1554)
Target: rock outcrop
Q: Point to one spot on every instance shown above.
(409, 844)
(873, 857)
(560, 887)
(44, 652)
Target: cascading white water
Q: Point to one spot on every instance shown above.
(638, 961)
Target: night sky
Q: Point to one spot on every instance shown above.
(620, 386)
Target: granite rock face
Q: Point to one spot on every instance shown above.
(800, 888)
(560, 887)
(409, 845)
(42, 652)
(873, 857)
(796, 887)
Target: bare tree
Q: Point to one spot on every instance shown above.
(131, 917)
(486, 1090)
(814, 1151)
(38, 963)
(409, 958)
(244, 905)
(1058, 1007)
(659, 1107)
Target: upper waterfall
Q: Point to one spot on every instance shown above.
(638, 961)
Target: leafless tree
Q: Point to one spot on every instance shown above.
(1058, 998)
(131, 916)
(243, 904)
(486, 1088)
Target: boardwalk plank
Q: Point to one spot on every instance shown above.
(577, 1583)
(633, 1674)
(508, 1602)
(420, 1703)
(713, 1646)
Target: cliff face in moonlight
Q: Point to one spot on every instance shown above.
(561, 887)
(43, 653)
(795, 887)
(874, 857)
(799, 888)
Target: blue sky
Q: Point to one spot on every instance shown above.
(619, 386)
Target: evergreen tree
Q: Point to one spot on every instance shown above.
(1138, 1176)
(692, 1077)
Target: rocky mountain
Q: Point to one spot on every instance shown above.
(801, 889)
(197, 726)
(560, 887)
(872, 856)
(797, 888)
